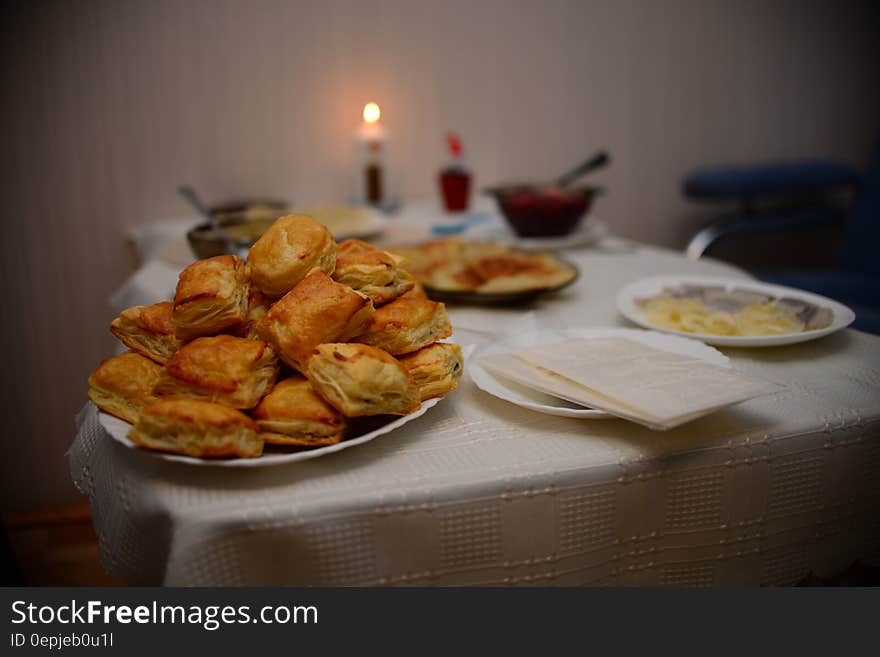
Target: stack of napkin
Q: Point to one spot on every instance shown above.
(656, 388)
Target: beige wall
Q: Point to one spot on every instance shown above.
(109, 105)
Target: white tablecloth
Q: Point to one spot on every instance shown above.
(479, 491)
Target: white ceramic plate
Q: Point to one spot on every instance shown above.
(648, 287)
(520, 395)
(119, 429)
(347, 222)
(590, 231)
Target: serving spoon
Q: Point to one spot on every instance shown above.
(597, 161)
(189, 194)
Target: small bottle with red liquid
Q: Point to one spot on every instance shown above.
(455, 178)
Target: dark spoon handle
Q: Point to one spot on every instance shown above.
(599, 160)
(189, 194)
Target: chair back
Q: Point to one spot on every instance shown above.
(860, 251)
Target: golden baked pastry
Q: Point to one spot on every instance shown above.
(196, 428)
(371, 271)
(288, 250)
(121, 385)
(211, 296)
(417, 292)
(148, 330)
(435, 369)
(232, 371)
(294, 414)
(258, 306)
(406, 325)
(317, 310)
(358, 380)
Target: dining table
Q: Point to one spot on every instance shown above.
(479, 491)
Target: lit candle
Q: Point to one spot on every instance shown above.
(372, 156)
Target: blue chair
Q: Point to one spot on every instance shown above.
(775, 197)
(853, 275)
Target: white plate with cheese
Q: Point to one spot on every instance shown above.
(685, 320)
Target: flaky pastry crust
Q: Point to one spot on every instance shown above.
(123, 384)
(435, 369)
(211, 297)
(317, 310)
(359, 380)
(258, 306)
(406, 325)
(148, 330)
(196, 428)
(288, 250)
(232, 371)
(371, 271)
(294, 414)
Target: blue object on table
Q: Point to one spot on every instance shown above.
(454, 229)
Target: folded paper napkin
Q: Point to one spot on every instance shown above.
(656, 388)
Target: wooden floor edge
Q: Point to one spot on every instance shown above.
(56, 515)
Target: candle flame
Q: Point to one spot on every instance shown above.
(371, 112)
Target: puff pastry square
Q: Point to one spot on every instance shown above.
(317, 310)
(435, 369)
(294, 414)
(123, 384)
(357, 380)
(406, 325)
(232, 371)
(371, 271)
(196, 428)
(211, 297)
(288, 250)
(148, 330)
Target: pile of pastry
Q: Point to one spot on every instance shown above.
(452, 264)
(283, 349)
